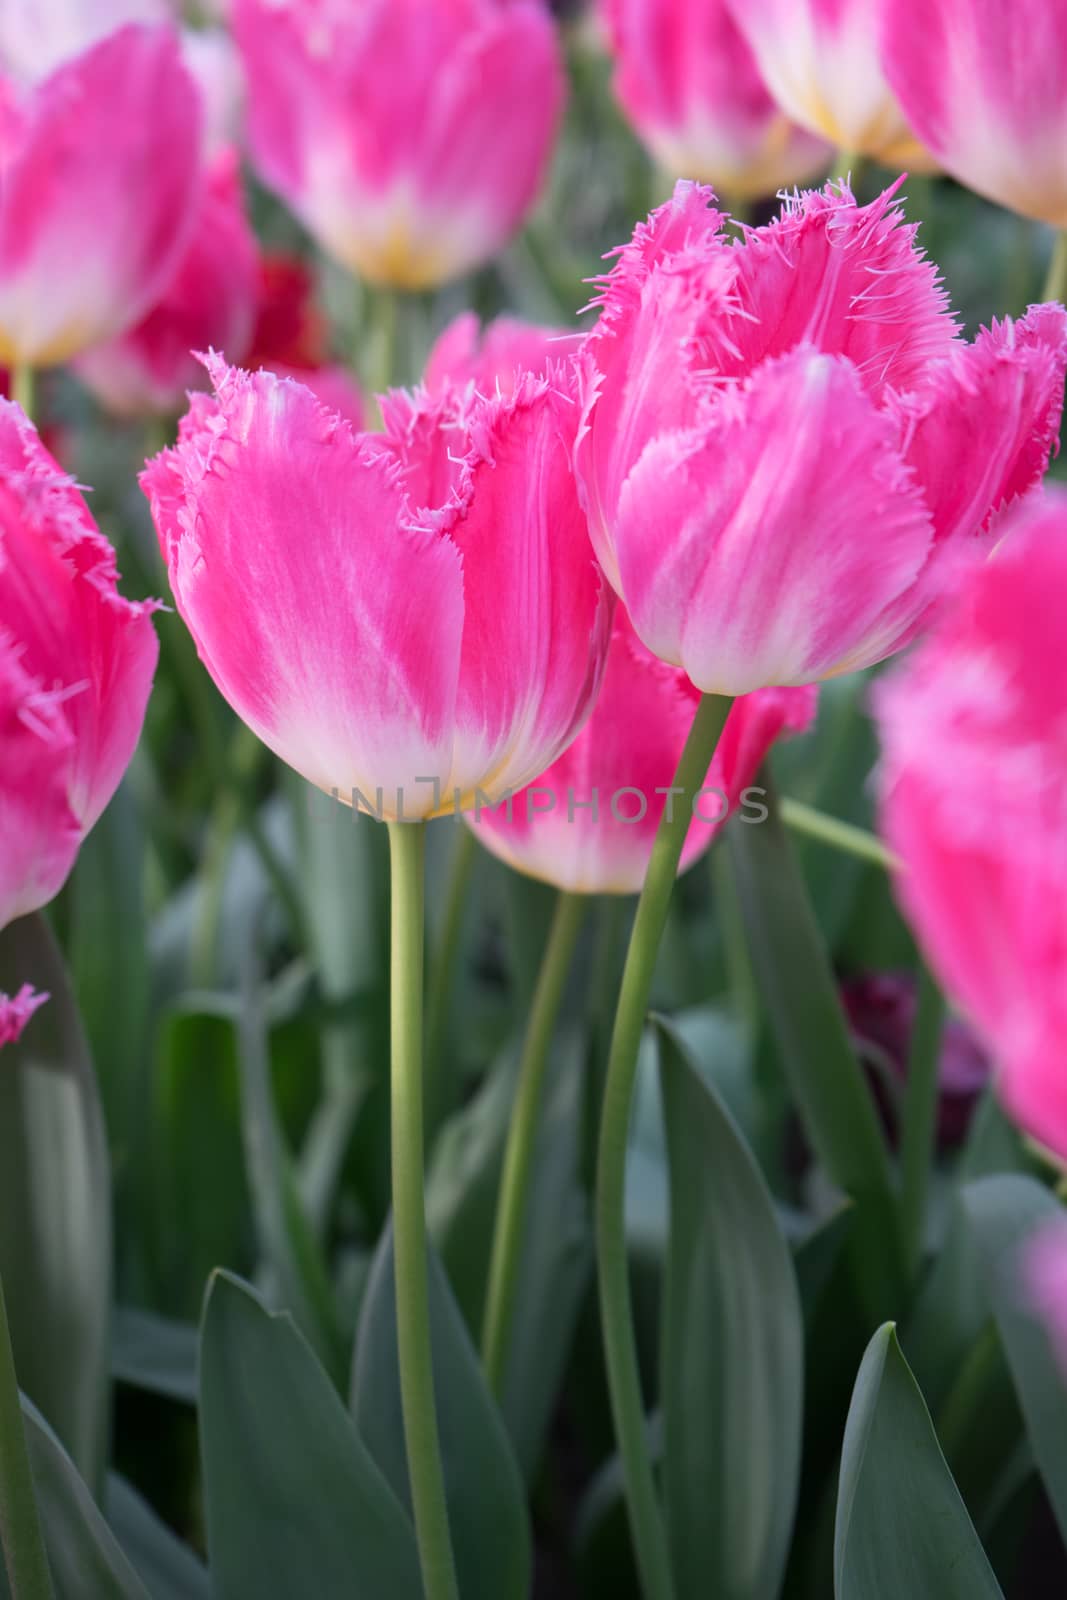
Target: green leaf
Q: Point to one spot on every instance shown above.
(154, 1353)
(294, 1503)
(806, 1016)
(732, 1356)
(483, 1488)
(168, 1568)
(55, 1204)
(902, 1528)
(1003, 1213)
(83, 1553)
(816, 1256)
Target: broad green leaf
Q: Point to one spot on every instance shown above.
(293, 1501)
(732, 1354)
(806, 1016)
(1003, 1213)
(902, 1528)
(85, 1557)
(154, 1353)
(55, 1204)
(485, 1494)
(168, 1568)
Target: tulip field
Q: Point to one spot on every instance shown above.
(533, 800)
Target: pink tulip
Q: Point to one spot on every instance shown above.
(36, 36)
(76, 665)
(409, 136)
(588, 823)
(494, 357)
(99, 188)
(420, 615)
(821, 60)
(984, 85)
(687, 80)
(785, 444)
(16, 1010)
(291, 337)
(210, 302)
(974, 804)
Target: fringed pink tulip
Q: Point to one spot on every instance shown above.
(76, 666)
(687, 80)
(984, 85)
(494, 357)
(409, 136)
(821, 60)
(210, 302)
(420, 616)
(99, 189)
(785, 444)
(974, 803)
(291, 337)
(16, 1011)
(588, 823)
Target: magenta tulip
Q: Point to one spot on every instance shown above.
(786, 444)
(984, 85)
(420, 615)
(76, 666)
(99, 188)
(688, 82)
(495, 357)
(974, 804)
(588, 823)
(409, 136)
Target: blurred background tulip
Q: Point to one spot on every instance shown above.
(688, 82)
(975, 806)
(421, 616)
(410, 137)
(821, 60)
(36, 36)
(984, 85)
(587, 824)
(76, 667)
(100, 178)
(210, 303)
(750, 566)
(494, 357)
(291, 337)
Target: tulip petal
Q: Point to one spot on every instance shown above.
(100, 189)
(493, 358)
(58, 598)
(16, 1010)
(849, 279)
(759, 548)
(328, 619)
(532, 590)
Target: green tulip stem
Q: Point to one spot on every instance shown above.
(407, 856)
(1056, 282)
(616, 1314)
(841, 836)
(919, 1125)
(22, 386)
(522, 1136)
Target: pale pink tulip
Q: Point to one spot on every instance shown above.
(291, 337)
(687, 80)
(420, 616)
(786, 444)
(822, 61)
(974, 803)
(409, 136)
(588, 823)
(36, 36)
(984, 85)
(99, 189)
(16, 1010)
(76, 665)
(210, 303)
(494, 357)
